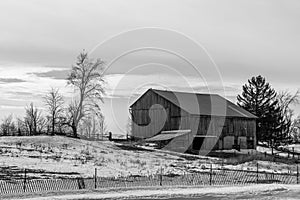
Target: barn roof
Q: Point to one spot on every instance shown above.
(204, 104)
(167, 135)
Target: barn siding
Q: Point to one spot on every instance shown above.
(140, 112)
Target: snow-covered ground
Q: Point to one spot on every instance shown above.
(61, 154)
(273, 191)
(65, 155)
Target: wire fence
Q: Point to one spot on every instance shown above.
(209, 176)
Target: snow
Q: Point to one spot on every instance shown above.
(64, 155)
(295, 146)
(61, 154)
(227, 192)
(280, 153)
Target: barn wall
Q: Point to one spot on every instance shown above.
(240, 131)
(228, 131)
(152, 106)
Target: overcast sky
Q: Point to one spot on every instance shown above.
(227, 41)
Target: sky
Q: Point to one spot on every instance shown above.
(192, 45)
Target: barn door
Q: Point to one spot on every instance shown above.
(197, 143)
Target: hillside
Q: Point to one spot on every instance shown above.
(57, 156)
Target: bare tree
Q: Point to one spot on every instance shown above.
(7, 125)
(20, 126)
(129, 128)
(33, 120)
(285, 101)
(87, 79)
(86, 126)
(99, 123)
(295, 130)
(54, 102)
(41, 125)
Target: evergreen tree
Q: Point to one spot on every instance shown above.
(259, 98)
(277, 128)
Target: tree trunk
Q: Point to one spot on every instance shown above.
(74, 129)
(30, 130)
(34, 128)
(53, 125)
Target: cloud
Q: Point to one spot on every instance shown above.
(29, 83)
(11, 80)
(54, 74)
(214, 88)
(20, 95)
(132, 85)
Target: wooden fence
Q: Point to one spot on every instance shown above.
(208, 177)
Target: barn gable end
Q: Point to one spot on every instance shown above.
(151, 105)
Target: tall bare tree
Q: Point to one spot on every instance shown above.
(54, 102)
(86, 77)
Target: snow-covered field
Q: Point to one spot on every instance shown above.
(61, 154)
(56, 155)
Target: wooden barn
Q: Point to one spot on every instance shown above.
(189, 122)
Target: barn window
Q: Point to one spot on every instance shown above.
(175, 121)
(236, 142)
(250, 142)
(175, 111)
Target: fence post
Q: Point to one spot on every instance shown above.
(223, 162)
(95, 178)
(256, 172)
(24, 184)
(293, 152)
(81, 184)
(160, 177)
(210, 175)
(297, 174)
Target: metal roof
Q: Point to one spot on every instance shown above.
(204, 104)
(167, 135)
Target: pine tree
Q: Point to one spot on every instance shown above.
(277, 126)
(259, 98)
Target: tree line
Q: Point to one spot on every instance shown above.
(61, 117)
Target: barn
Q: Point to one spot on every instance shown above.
(191, 122)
